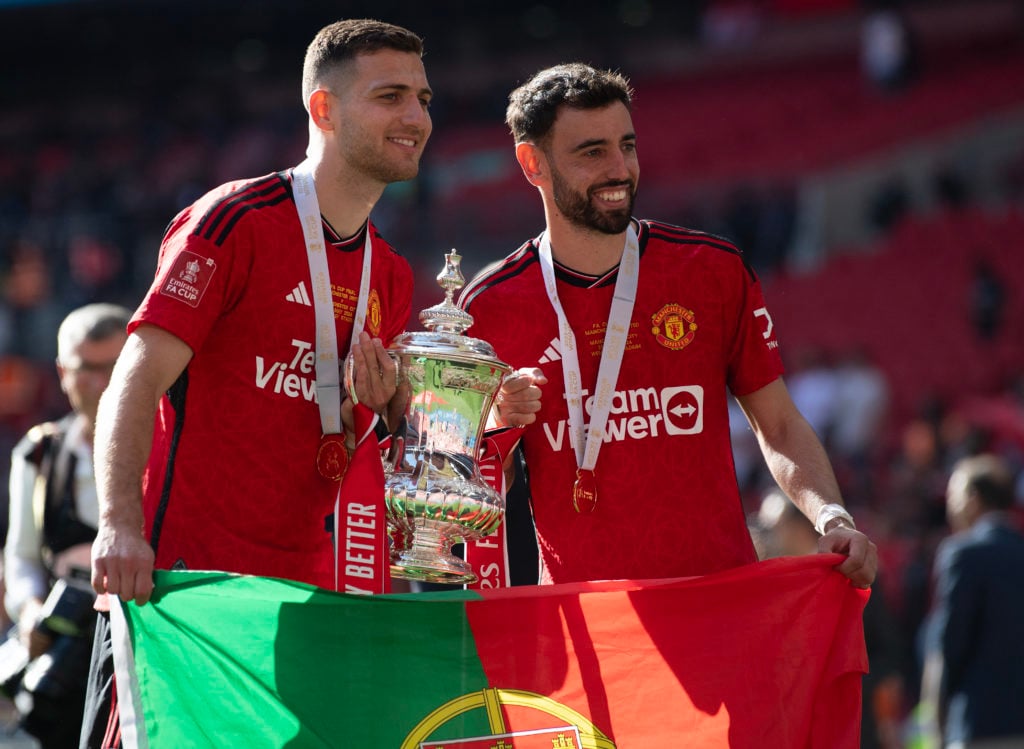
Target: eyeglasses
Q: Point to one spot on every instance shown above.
(89, 368)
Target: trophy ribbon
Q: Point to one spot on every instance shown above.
(587, 440)
(362, 549)
(489, 555)
(330, 462)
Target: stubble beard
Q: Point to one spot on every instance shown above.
(371, 163)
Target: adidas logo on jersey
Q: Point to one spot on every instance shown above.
(552, 353)
(299, 295)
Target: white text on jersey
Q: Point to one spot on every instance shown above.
(641, 413)
(292, 378)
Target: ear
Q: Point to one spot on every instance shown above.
(531, 160)
(320, 110)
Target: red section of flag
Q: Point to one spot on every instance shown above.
(768, 655)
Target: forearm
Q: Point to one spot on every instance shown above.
(24, 580)
(24, 574)
(800, 466)
(124, 436)
(149, 364)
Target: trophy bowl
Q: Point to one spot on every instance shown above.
(433, 490)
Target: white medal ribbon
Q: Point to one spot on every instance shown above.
(328, 373)
(588, 445)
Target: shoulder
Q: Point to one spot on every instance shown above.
(386, 250)
(40, 439)
(678, 242)
(216, 214)
(956, 551)
(385, 256)
(501, 277)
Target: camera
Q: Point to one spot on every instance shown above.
(58, 676)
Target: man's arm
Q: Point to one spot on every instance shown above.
(122, 559)
(799, 464)
(25, 578)
(516, 405)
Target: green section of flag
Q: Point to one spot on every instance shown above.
(231, 661)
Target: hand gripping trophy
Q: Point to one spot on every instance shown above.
(434, 492)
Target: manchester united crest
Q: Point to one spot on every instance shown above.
(674, 326)
(373, 313)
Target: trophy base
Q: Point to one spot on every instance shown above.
(429, 559)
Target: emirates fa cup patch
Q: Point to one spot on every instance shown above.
(674, 326)
(189, 277)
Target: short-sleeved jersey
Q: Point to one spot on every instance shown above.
(668, 503)
(232, 482)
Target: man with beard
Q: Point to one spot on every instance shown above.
(245, 309)
(638, 329)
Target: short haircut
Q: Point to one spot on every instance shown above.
(989, 478)
(533, 106)
(341, 41)
(93, 322)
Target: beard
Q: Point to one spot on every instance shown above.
(361, 152)
(581, 211)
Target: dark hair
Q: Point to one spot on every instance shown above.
(990, 479)
(343, 40)
(533, 107)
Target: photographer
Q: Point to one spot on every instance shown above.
(53, 517)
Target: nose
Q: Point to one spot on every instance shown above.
(620, 166)
(414, 113)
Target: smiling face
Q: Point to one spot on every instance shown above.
(594, 170)
(383, 121)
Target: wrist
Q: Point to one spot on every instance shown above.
(832, 516)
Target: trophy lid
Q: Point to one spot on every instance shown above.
(446, 322)
(446, 317)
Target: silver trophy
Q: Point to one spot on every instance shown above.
(434, 492)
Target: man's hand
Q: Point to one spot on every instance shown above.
(34, 641)
(122, 563)
(518, 399)
(861, 563)
(374, 373)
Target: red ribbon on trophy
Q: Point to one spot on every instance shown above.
(361, 549)
(489, 556)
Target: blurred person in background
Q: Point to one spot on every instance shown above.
(860, 411)
(973, 682)
(53, 518)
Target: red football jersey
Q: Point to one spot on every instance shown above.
(667, 499)
(237, 488)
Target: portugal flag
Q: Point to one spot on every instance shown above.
(767, 656)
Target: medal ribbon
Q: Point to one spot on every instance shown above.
(328, 372)
(363, 568)
(587, 442)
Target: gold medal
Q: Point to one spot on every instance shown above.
(332, 457)
(584, 491)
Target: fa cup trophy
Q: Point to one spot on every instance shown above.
(434, 492)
